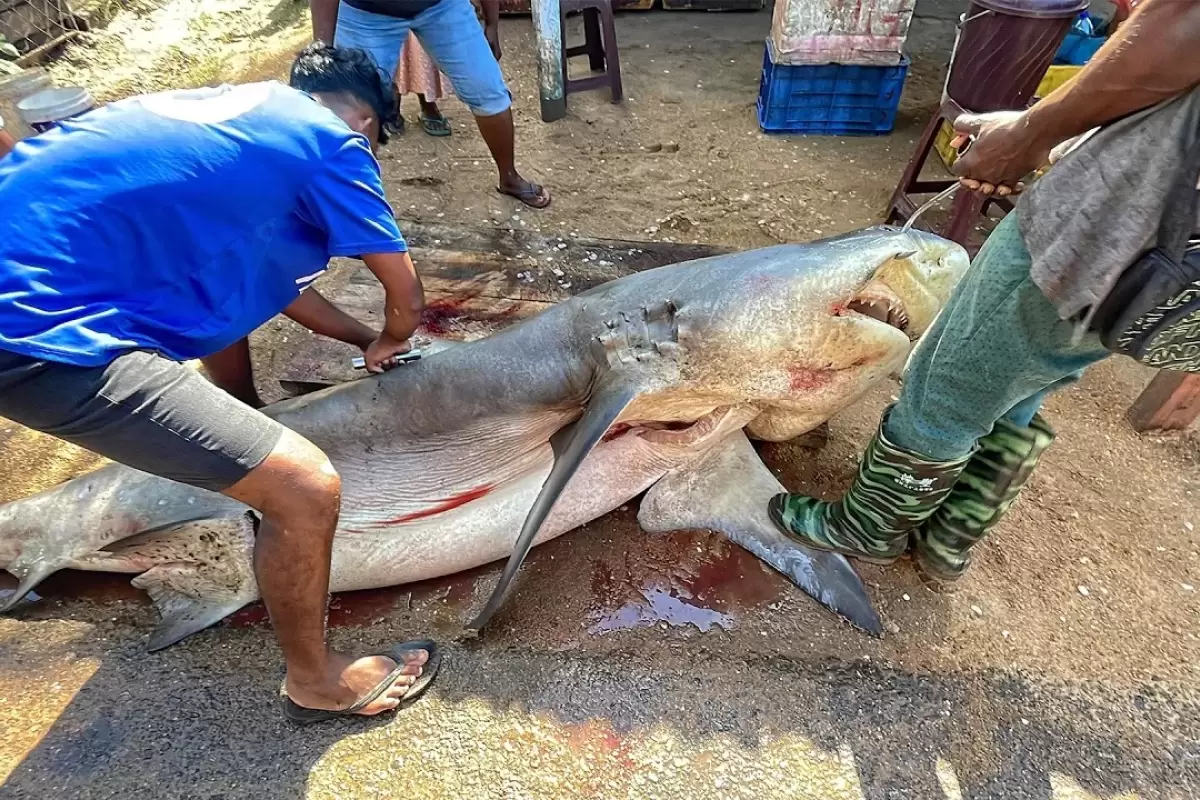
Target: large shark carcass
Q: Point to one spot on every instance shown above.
(648, 384)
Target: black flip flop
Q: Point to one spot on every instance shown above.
(528, 196)
(306, 716)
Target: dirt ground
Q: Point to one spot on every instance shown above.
(1080, 613)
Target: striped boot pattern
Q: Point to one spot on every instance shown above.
(986, 490)
(894, 493)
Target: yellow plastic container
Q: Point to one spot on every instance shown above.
(1055, 77)
(941, 143)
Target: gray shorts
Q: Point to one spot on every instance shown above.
(143, 411)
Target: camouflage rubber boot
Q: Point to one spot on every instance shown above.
(894, 493)
(984, 493)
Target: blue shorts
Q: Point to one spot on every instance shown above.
(451, 35)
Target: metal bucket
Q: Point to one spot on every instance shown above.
(47, 108)
(13, 90)
(1003, 49)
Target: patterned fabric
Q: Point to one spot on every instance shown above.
(417, 74)
(996, 349)
(983, 494)
(894, 493)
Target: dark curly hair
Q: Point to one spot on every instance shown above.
(322, 68)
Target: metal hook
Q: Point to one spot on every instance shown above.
(964, 19)
(939, 197)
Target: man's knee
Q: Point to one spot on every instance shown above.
(483, 89)
(295, 482)
(489, 103)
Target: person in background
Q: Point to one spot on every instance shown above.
(450, 33)
(119, 261)
(417, 74)
(951, 455)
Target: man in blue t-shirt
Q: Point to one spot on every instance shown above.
(167, 227)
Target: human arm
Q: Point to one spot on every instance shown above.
(345, 199)
(404, 301)
(491, 25)
(1154, 56)
(320, 316)
(324, 19)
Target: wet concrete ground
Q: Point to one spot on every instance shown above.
(520, 722)
(626, 666)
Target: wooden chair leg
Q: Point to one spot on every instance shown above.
(912, 171)
(964, 212)
(566, 51)
(1170, 402)
(613, 58)
(591, 33)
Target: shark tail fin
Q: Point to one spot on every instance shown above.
(27, 581)
(203, 573)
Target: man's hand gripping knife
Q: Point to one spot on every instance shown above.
(405, 300)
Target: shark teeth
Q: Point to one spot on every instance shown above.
(877, 301)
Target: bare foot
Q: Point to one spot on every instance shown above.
(348, 679)
(527, 192)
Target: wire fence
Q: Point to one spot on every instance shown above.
(35, 27)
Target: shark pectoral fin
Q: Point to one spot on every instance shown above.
(727, 491)
(202, 572)
(602, 410)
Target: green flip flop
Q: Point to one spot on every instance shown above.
(435, 126)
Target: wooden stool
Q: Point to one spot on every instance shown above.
(600, 50)
(968, 207)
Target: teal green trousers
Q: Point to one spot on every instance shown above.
(996, 351)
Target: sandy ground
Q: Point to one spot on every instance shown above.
(637, 667)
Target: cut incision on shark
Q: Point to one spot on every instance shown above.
(649, 384)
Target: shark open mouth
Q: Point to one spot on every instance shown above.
(877, 301)
(677, 432)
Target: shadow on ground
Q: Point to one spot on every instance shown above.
(194, 724)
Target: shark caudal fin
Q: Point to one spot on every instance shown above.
(32, 546)
(727, 491)
(202, 572)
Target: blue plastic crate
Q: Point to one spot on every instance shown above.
(831, 99)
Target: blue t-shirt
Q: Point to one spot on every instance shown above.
(179, 222)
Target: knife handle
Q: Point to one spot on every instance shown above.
(403, 358)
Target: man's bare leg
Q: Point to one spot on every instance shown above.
(500, 136)
(298, 492)
(230, 369)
